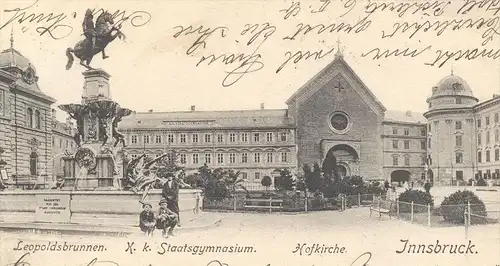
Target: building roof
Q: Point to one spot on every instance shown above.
(404, 117)
(452, 85)
(13, 58)
(267, 118)
(60, 128)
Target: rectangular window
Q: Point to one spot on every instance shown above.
(422, 132)
(232, 137)
(183, 159)
(195, 138)
(479, 139)
(195, 158)
(170, 138)
(208, 158)
(395, 144)
(422, 176)
(497, 135)
(458, 141)
(479, 157)
(497, 155)
(407, 160)
(407, 131)
(2, 103)
(459, 157)
(134, 139)
(487, 137)
(158, 139)
(208, 138)
(220, 138)
(487, 156)
(423, 160)
(244, 175)
(458, 125)
(269, 157)
(407, 144)
(284, 157)
(257, 176)
(459, 175)
(232, 158)
(244, 157)
(256, 157)
(496, 118)
(183, 138)
(244, 137)
(283, 136)
(479, 122)
(395, 161)
(422, 144)
(220, 158)
(394, 130)
(256, 137)
(146, 139)
(430, 127)
(487, 120)
(269, 137)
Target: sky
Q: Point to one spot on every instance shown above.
(151, 70)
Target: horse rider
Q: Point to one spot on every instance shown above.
(89, 31)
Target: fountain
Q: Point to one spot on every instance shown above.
(97, 119)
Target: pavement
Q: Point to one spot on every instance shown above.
(203, 221)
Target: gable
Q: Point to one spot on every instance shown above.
(340, 72)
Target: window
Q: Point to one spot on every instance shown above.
(407, 160)
(183, 159)
(269, 157)
(459, 175)
(2, 103)
(283, 136)
(479, 139)
(394, 160)
(407, 131)
(256, 157)
(497, 155)
(195, 138)
(134, 139)
(244, 157)
(146, 139)
(458, 100)
(256, 137)
(158, 138)
(232, 158)
(422, 176)
(430, 127)
(458, 141)
(487, 120)
(487, 137)
(459, 157)
(429, 144)
(33, 163)
(196, 158)
(496, 118)
(496, 135)
(269, 137)
(170, 138)
(220, 158)
(257, 176)
(66, 144)
(394, 131)
(244, 175)
(208, 138)
(458, 125)
(395, 144)
(422, 132)
(183, 138)
(479, 156)
(422, 160)
(244, 137)
(284, 157)
(232, 137)
(220, 138)
(407, 144)
(208, 158)
(60, 143)
(422, 144)
(29, 118)
(38, 119)
(487, 156)
(479, 122)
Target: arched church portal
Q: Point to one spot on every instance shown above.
(338, 159)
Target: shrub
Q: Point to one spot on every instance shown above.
(419, 198)
(266, 181)
(454, 206)
(481, 182)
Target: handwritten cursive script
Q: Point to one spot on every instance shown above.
(22, 261)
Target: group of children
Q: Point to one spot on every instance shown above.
(166, 219)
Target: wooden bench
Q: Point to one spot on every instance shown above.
(382, 207)
(269, 204)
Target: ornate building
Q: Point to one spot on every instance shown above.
(26, 122)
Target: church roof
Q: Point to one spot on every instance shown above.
(404, 117)
(452, 85)
(267, 118)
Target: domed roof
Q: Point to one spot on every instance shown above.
(452, 86)
(12, 58)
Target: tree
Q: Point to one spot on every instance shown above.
(233, 181)
(284, 181)
(266, 181)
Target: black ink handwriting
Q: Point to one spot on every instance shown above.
(94, 262)
(323, 6)
(360, 26)
(349, 5)
(203, 33)
(436, 8)
(293, 10)
(487, 5)
(137, 18)
(470, 54)
(360, 259)
(266, 29)
(298, 56)
(396, 52)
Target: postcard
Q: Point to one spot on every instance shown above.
(234, 133)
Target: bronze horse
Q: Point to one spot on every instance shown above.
(105, 35)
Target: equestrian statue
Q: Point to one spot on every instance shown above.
(96, 38)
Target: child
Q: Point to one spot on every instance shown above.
(147, 220)
(167, 219)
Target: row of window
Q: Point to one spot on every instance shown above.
(487, 120)
(488, 138)
(487, 155)
(33, 120)
(221, 158)
(406, 131)
(209, 138)
(62, 143)
(406, 144)
(459, 124)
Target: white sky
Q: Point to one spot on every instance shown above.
(152, 71)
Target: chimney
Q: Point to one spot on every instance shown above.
(408, 113)
(193, 108)
(150, 110)
(261, 106)
(496, 95)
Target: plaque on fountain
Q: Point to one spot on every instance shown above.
(52, 208)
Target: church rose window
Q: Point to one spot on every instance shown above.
(340, 122)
